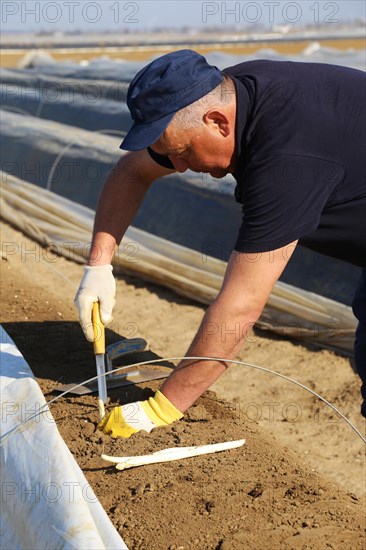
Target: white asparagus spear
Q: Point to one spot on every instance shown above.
(174, 453)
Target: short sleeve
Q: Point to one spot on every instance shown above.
(161, 159)
(283, 198)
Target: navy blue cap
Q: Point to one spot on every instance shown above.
(160, 89)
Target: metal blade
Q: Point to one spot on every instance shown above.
(102, 385)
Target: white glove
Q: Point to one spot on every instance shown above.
(97, 284)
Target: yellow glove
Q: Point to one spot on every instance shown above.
(142, 415)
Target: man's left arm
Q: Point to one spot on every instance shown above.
(247, 284)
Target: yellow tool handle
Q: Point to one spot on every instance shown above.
(98, 327)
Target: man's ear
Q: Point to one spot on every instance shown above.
(218, 121)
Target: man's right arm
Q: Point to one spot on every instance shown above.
(120, 199)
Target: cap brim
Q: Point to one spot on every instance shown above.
(141, 136)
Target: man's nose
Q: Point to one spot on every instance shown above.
(179, 164)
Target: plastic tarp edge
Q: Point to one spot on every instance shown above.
(46, 501)
(57, 221)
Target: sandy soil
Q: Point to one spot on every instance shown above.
(299, 481)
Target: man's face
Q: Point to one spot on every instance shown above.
(202, 149)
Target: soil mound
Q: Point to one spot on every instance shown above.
(262, 495)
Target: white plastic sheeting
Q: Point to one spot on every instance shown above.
(118, 69)
(66, 227)
(46, 502)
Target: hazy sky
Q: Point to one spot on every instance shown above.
(118, 15)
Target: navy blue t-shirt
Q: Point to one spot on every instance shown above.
(301, 166)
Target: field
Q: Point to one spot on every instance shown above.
(297, 483)
(12, 57)
(299, 480)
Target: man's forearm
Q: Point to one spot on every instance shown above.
(121, 197)
(220, 335)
